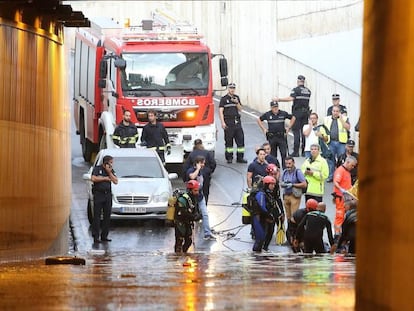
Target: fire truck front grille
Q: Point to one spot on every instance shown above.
(165, 116)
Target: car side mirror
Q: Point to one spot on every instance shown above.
(172, 176)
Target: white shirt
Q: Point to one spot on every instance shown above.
(311, 139)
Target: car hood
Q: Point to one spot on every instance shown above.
(141, 186)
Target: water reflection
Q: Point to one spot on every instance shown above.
(198, 281)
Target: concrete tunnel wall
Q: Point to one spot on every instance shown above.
(35, 171)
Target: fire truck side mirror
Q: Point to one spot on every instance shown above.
(103, 69)
(223, 67)
(102, 83)
(224, 81)
(120, 63)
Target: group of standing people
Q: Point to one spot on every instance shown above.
(327, 148)
(154, 134)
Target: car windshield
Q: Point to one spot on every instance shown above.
(159, 73)
(143, 167)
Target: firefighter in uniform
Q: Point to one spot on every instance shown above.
(229, 108)
(275, 131)
(155, 136)
(102, 176)
(300, 96)
(186, 212)
(126, 133)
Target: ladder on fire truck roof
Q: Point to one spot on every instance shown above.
(163, 26)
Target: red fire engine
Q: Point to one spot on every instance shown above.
(159, 65)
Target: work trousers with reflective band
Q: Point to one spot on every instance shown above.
(234, 132)
(339, 215)
(291, 204)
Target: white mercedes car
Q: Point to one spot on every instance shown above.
(143, 188)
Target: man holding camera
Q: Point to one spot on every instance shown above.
(276, 131)
(229, 111)
(102, 176)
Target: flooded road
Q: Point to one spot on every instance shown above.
(197, 281)
(139, 271)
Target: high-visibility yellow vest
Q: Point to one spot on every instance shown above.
(342, 132)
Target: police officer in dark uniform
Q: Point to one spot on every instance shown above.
(155, 136)
(229, 108)
(276, 131)
(209, 166)
(102, 176)
(300, 96)
(335, 102)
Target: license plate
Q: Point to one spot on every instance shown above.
(133, 209)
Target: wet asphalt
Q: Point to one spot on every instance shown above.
(139, 271)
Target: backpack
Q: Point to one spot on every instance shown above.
(249, 203)
(172, 203)
(172, 208)
(250, 206)
(305, 188)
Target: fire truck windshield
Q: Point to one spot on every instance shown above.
(165, 74)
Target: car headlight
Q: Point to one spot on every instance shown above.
(163, 197)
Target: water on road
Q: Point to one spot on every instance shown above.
(126, 280)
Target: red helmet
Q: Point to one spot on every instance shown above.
(311, 205)
(271, 168)
(193, 184)
(269, 180)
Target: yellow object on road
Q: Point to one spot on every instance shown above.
(280, 234)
